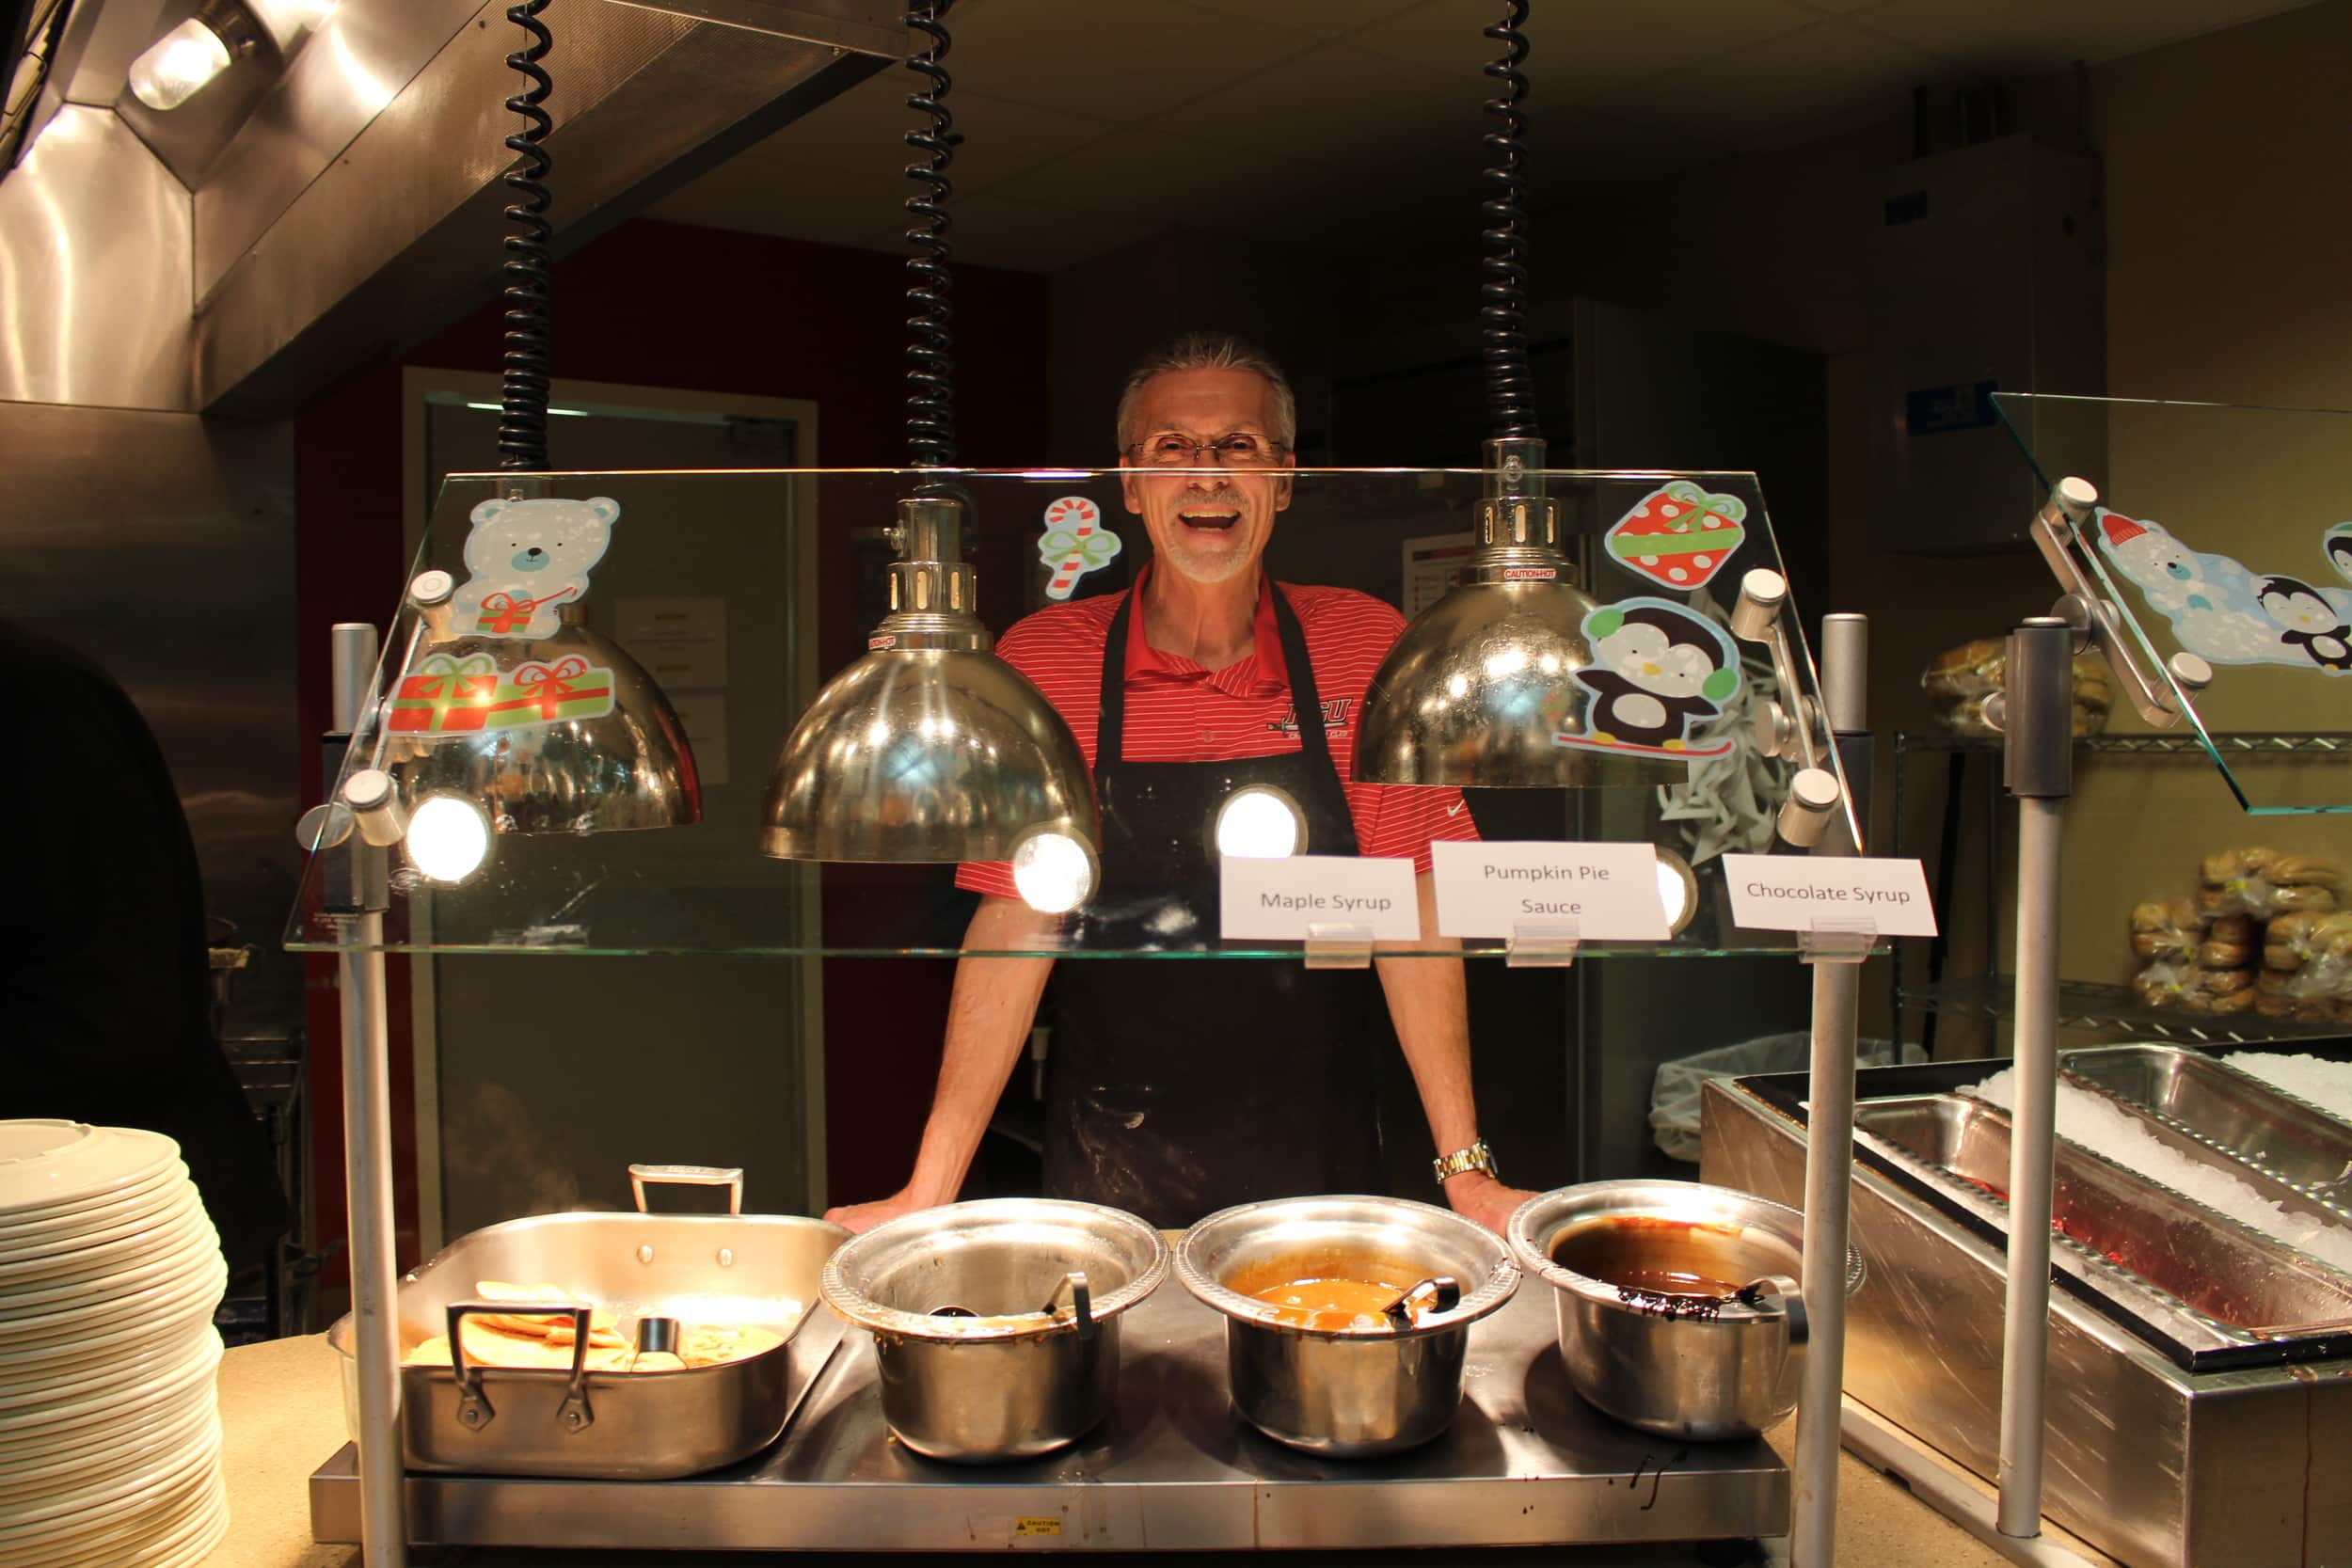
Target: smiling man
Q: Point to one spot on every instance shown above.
(1175, 1088)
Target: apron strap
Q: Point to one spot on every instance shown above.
(1297, 670)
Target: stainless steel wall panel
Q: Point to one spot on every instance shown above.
(95, 257)
(355, 64)
(402, 230)
(162, 547)
(872, 26)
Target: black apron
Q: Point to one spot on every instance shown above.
(1176, 1087)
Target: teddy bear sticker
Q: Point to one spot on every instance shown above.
(1657, 670)
(527, 559)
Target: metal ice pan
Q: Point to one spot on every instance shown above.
(2232, 1113)
(2201, 1278)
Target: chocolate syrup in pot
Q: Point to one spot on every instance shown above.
(1671, 1268)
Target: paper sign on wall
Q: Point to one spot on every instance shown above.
(1279, 899)
(1493, 890)
(1798, 892)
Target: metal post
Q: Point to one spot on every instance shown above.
(1828, 1155)
(358, 896)
(374, 1274)
(2036, 714)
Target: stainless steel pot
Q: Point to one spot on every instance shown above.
(1354, 1391)
(1679, 1311)
(760, 1269)
(995, 1324)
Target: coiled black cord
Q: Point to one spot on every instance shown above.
(523, 411)
(1510, 389)
(930, 407)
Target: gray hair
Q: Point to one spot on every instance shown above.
(1213, 351)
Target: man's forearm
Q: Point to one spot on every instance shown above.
(1428, 1003)
(989, 1016)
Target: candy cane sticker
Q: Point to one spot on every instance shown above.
(1075, 543)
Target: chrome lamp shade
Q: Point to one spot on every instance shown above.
(630, 768)
(1478, 687)
(929, 748)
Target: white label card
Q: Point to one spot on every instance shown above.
(1492, 890)
(1279, 899)
(1794, 893)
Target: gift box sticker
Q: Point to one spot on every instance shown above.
(1678, 535)
(548, 693)
(444, 696)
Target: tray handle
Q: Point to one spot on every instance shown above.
(474, 1409)
(729, 1176)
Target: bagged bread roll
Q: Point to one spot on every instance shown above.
(2234, 1002)
(2224, 982)
(2276, 1004)
(2163, 985)
(2224, 954)
(1972, 670)
(2167, 930)
(2303, 898)
(2304, 870)
(2238, 928)
(2230, 865)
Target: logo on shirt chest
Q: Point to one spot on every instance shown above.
(1334, 716)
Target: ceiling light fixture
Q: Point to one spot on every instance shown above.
(186, 59)
(931, 748)
(1479, 686)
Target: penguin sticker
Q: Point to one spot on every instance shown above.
(2307, 622)
(1657, 670)
(2339, 548)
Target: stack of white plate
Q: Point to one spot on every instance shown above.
(109, 1421)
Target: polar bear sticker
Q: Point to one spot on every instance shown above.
(527, 559)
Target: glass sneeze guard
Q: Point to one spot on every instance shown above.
(700, 577)
(2223, 532)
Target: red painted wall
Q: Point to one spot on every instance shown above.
(664, 304)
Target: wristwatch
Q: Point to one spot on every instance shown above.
(1476, 1157)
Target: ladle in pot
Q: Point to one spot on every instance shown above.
(1443, 1293)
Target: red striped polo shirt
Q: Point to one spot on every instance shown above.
(1178, 711)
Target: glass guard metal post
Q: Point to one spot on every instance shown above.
(1834, 948)
(360, 892)
(2038, 694)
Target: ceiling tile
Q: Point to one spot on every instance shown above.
(1325, 18)
(1819, 75)
(795, 201)
(1340, 106)
(1584, 50)
(1996, 36)
(1122, 61)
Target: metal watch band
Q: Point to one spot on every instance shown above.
(1476, 1157)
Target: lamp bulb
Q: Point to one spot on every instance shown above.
(448, 838)
(178, 64)
(1054, 873)
(1258, 823)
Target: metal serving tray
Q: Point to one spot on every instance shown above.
(2159, 1456)
(1525, 1463)
(758, 1269)
(2230, 1112)
(2206, 1280)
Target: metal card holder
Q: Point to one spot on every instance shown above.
(1338, 944)
(1838, 940)
(1542, 944)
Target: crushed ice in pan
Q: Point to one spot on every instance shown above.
(2099, 1125)
(2315, 1079)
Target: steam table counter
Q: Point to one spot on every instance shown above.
(1526, 1463)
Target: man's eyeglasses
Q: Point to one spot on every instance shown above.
(1243, 448)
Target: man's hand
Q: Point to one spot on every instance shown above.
(1475, 1195)
(861, 1217)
